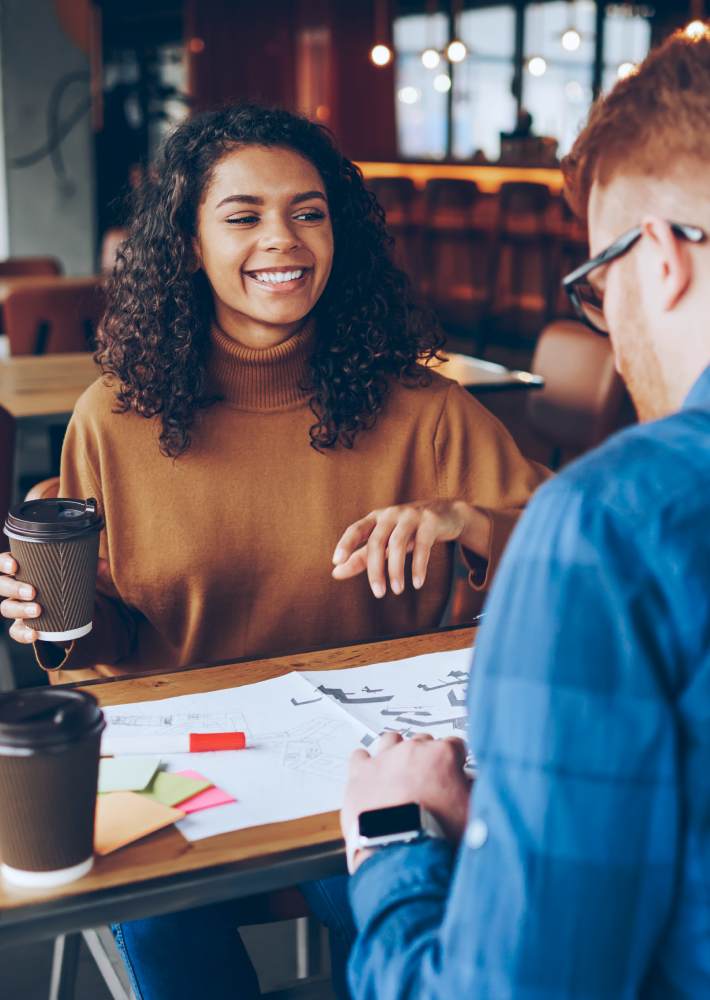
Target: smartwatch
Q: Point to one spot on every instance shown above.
(378, 828)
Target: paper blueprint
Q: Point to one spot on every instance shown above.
(300, 732)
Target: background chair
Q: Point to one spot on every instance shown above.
(583, 399)
(54, 317)
(457, 254)
(16, 267)
(397, 196)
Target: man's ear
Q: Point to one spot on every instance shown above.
(674, 261)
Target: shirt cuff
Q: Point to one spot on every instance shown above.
(482, 570)
(397, 873)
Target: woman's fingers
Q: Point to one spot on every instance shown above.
(15, 609)
(353, 537)
(401, 542)
(356, 564)
(10, 587)
(7, 563)
(377, 554)
(427, 534)
(21, 633)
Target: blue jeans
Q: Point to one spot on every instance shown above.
(199, 953)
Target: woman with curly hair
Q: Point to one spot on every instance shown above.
(266, 410)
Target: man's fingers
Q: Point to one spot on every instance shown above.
(422, 737)
(356, 564)
(7, 563)
(20, 633)
(357, 759)
(354, 536)
(388, 740)
(459, 746)
(10, 587)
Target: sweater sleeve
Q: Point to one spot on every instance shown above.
(113, 635)
(478, 461)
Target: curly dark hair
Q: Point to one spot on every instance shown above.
(154, 340)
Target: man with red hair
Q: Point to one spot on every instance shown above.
(581, 866)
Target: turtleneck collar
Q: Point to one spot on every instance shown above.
(271, 379)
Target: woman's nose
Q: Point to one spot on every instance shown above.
(279, 236)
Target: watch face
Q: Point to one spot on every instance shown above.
(395, 819)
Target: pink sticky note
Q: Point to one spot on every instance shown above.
(203, 800)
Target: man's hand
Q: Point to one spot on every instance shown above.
(421, 770)
(385, 537)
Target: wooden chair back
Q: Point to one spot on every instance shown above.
(53, 318)
(583, 394)
(17, 267)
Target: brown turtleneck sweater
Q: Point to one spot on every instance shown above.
(227, 551)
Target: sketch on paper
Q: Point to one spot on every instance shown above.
(301, 730)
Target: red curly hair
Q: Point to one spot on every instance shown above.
(650, 119)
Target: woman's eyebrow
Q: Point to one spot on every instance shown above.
(249, 199)
(252, 199)
(307, 195)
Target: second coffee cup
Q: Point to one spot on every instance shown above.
(55, 543)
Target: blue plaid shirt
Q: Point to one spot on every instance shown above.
(585, 870)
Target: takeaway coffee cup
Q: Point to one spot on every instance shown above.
(50, 742)
(55, 544)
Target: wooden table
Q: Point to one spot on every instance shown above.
(48, 385)
(163, 872)
(478, 375)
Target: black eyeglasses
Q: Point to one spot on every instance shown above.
(586, 300)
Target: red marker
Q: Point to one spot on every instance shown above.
(116, 746)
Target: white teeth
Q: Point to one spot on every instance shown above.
(278, 276)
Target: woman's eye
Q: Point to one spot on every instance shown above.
(312, 215)
(243, 220)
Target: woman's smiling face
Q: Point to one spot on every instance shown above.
(264, 242)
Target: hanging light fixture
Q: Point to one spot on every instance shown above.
(537, 66)
(697, 27)
(456, 51)
(571, 40)
(381, 53)
(626, 69)
(442, 83)
(430, 58)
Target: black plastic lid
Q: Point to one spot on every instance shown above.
(39, 718)
(54, 520)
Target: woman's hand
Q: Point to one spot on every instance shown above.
(19, 603)
(386, 536)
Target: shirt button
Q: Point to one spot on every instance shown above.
(476, 834)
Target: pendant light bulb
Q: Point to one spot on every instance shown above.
(696, 29)
(430, 59)
(456, 51)
(381, 55)
(571, 40)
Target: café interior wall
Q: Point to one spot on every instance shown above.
(240, 50)
(46, 214)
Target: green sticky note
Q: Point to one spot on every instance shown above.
(126, 774)
(170, 789)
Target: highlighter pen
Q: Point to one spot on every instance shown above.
(116, 746)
